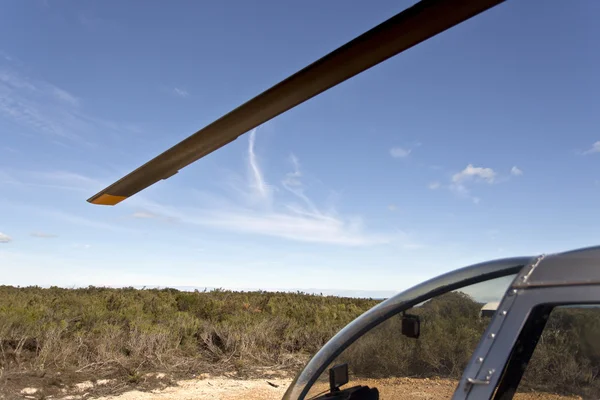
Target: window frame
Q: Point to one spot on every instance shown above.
(513, 324)
(522, 352)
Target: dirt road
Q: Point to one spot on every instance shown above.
(220, 388)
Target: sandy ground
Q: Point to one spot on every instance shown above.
(212, 388)
(223, 388)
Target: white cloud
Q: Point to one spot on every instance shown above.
(434, 185)
(291, 222)
(392, 207)
(4, 238)
(296, 218)
(257, 181)
(594, 149)
(180, 92)
(471, 174)
(400, 152)
(43, 235)
(516, 171)
(304, 227)
(474, 173)
(143, 215)
(461, 181)
(284, 211)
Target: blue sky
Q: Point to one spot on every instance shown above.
(481, 143)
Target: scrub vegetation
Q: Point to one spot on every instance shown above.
(136, 330)
(125, 333)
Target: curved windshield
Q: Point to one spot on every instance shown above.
(428, 366)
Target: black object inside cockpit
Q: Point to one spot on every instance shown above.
(411, 326)
(338, 376)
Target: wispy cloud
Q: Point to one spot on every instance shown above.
(594, 149)
(258, 185)
(10, 149)
(67, 178)
(4, 238)
(285, 210)
(38, 105)
(61, 181)
(43, 235)
(144, 215)
(74, 219)
(180, 92)
(296, 226)
(291, 223)
(434, 185)
(287, 213)
(47, 109)
(516, 171)
(65, 96)
(293, 184)
(400, 152)
(148, 215)
(56, 179)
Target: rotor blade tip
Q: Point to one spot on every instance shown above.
(107, 200)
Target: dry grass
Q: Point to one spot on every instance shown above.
(126, 333)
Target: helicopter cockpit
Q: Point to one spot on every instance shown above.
(429, 330)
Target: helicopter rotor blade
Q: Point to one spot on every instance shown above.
(420, 22)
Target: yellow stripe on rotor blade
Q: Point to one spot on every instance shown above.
(108, 200)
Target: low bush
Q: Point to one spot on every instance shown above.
(164, 329)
